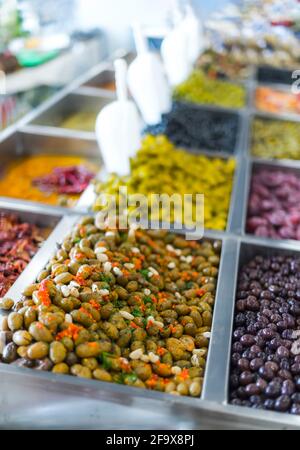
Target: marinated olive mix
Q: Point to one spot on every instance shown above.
(195, 128)
(265, 359)
(199, 88)
(275, 139)
(159, 167)
(131, 307)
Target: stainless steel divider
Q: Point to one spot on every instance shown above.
(216, 376)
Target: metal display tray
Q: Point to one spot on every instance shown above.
(71, 104)
(34, 142)
(30, 399)
(51, 396)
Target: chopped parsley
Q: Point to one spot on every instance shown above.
(144, 272)
(106, 360)
(137, 313)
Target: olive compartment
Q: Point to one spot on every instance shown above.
(246, 250)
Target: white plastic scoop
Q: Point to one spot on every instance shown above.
(147, 82)
(175, 54)
(118, 127)
(195, 34)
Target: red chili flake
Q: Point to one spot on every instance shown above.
(185, 276)
(152, 381)
(84, 311)
(137, 264)
(72, 332)
(161, 351)
(79, 256)
(80, 280)
(82, 231)
(149, 324)
(134, 325)
(172, 328)
(94, 304)
(125, 366)
(200, 292)
(185, 374)
(43, 293)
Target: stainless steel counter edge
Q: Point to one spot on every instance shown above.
(60, 392)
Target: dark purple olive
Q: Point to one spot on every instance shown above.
(273, 390)
(255, 349)
(297, 383)
(275, 318)
(248, 354)
(285, 374)
(282, 352)
(237, 347)
(267, 295)
(241, 305)
(295, 409)
(256, 293)
(256, 363)
(287, 334)
(252, 304)
(246, 378)
(243, 364)
(252, 389)
(288, 388)
(241, 392)
(295, 369)
(261, 384)
(260, 342)
(266, 373)
(269, 404)
(267, 333)
(235, 359)
(255, 400)
(272, 365)
(247, 340)
(274, 289)
(240, 320)
(274, 344)
(282, 404)
(285, 364)
(237, 335)
(296, 397)
(282, 325)
(234, 381)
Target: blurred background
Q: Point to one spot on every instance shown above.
(46, 45)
